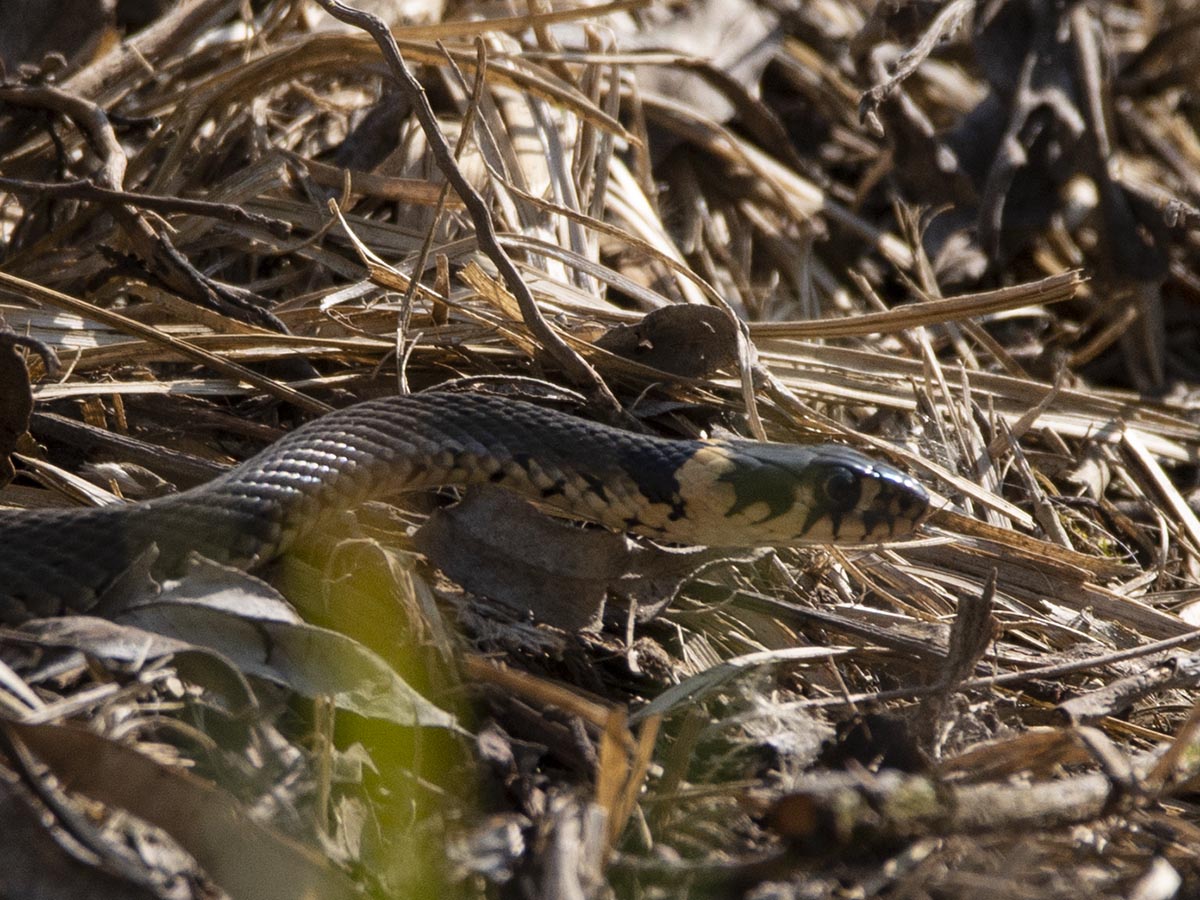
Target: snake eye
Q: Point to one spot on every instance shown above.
(841, 487)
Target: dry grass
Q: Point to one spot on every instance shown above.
(220, 238)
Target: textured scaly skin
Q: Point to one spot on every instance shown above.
(725, 493)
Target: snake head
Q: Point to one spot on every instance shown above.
(780, 494)
(858, 499)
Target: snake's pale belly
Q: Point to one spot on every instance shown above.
(721, 493)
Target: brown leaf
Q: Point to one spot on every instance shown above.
(246, 858)
(31, 29)
(224, 685)
(313, 662)
(36, 862)
(497, 545)
(493, 544)
(16, 399)
(691, 341)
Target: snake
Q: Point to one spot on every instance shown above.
(721, 493)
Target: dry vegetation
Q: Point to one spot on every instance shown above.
(218, 227)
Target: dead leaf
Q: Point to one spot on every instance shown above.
(16, 398)
(31, 29)
(311, 661)
(246, 858)
(230, 589)
(497, 545)
(688, 340)
(224, 685)
(37, 862)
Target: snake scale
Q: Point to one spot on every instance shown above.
(721, 493)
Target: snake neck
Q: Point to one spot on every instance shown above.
(260, 509)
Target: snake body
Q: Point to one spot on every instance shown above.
(720, 493)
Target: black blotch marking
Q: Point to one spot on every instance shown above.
(654, 468)
(777, 475)
(815, 515)
(595, 484)
(497, 476)
(872, 518)
(771, 485)
(523, 460)
(914, 501)
(555, 490)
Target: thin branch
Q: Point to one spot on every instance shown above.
(574, 365)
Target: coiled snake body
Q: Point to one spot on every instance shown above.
(721, 493)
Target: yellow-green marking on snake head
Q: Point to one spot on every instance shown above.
(740, 492)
